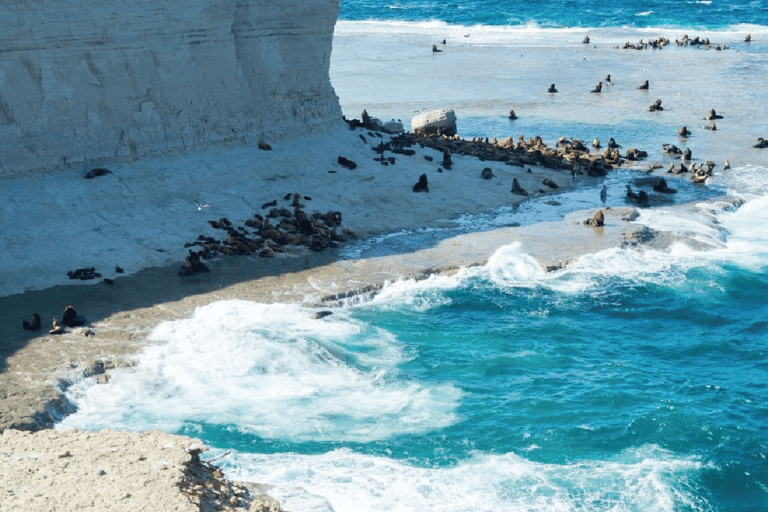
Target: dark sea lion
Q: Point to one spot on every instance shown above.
(512, 115)
(598, 87)
(656, 107)
(517, 189)
(644, 86)
(683, 131)
(552, 89)
(35, 325)
(761, 143)
(713, 115)
(585, 40)
(421, 185)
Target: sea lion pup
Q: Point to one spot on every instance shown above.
(712, 127)
(761, 143)
(656, 106)
(748, 38)
(643, 86)
(585, 40)
(683, 131)
(713, 115)
(34, 326)
(56, 327)
(598, 87)
(512, 115)
(552, 89)
(596, 221)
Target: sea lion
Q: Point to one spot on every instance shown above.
(34, 326)
(517, 189)
(612, 144)
(512, 115)
(435, 49)
(321, 314)
(598, 87)
(608, 79)
(421, 185)
(585, 40)
(761, 143)
(661, 186)
(597, 220)
(94, 173)
(748, 38)
(552, 89)
(712, 127)
(643, 86)
(603, 193)
(683, 131)
(656, 106)
(56, 327)
(726, 165)
(713, 115)
(596, 143)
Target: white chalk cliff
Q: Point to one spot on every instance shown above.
(97, 81)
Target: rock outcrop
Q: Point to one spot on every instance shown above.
(109, 80)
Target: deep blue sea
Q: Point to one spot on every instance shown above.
(632, 380)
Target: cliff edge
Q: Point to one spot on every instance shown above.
(107, 80)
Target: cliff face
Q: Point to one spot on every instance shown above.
(105, 79)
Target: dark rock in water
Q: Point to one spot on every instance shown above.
(266, 252)
(321, 314)
(597, 220)
(661, 186)
(346, 162)
(362, 137)
(421, 185)
(264, 146)
(548, 182)
(287, 196)
(517, 189)
(269, 204)
(94, 173)
(109, 281)
(34, 326)
(486, 173)
(71, 318)
(428, 158)
(119, 270)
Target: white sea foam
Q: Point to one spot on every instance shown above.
(273, 371)
(647, 478)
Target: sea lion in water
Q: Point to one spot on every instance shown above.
(585, 40)
(644, 86)
(35, 325)
(552, 89)
(598, 87)
(512, 115)
(596, 143)
(656, 106)
(761, 143)
(684, 131)
(713, 115)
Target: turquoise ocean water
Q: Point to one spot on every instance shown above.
(632, 380)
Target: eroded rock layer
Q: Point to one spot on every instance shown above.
(105, 80)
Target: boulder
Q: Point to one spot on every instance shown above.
(436, 122)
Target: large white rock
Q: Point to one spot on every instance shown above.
(120, 79)
(436, 121)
